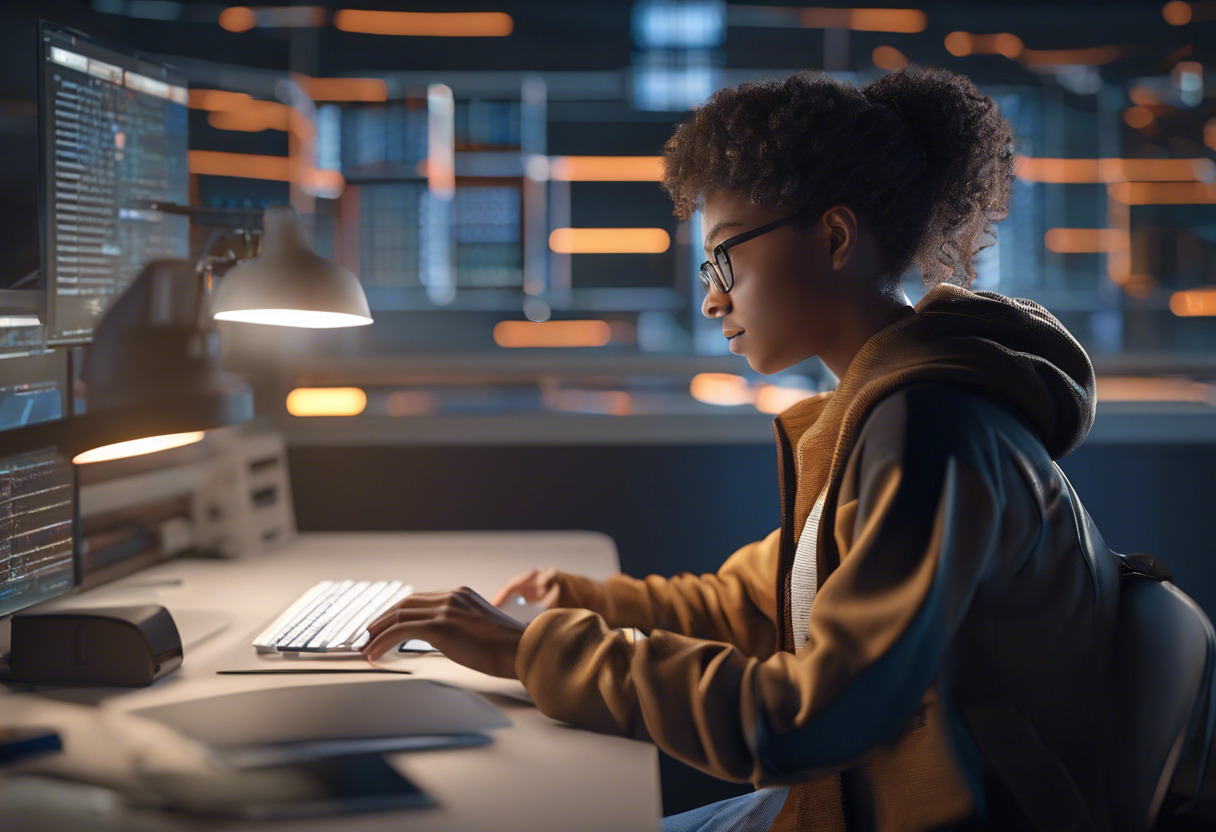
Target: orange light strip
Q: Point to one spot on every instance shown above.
(1140, 94)
(238, 19)
(345, 89)
(1010, 45)
(1119, 256)
(1070, 171)
(253, 117)
(1081, 240)
(606, 168)
(1162, 193)
(960, 44)
(888, 58)
(425, 24)
(609, 240)
(240, 111)
(1177, 12)
(1092, 56)
(1002, 43)
(902, 21)
(514, 334)
(725, 389)
(218, 100)
(1194, 302)
(1135, 389)
(1056, 171)
(1138, 117)
(326, 401)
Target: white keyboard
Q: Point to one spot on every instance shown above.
(332, 617)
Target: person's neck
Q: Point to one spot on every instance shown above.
(870, 318)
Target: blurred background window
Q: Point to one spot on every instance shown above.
(479, 168)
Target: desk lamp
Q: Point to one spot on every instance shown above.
(153, 374)
(153, 371)
(287, 284)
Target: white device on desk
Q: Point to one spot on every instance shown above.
(333, 616)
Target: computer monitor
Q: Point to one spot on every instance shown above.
(113, 134)
(37, 487)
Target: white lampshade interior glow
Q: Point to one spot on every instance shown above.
(305, 318)
(135, 447)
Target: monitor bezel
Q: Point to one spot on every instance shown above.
(143, 62)
(57, 365)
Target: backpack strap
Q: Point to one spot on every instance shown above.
(1140, 565)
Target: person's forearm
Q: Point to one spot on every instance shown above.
(736, 605)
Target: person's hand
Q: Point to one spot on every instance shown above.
(537, 586)
(460, 624)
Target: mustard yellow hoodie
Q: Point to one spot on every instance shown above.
(957, 651)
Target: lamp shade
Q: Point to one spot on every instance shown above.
(288, 284)
(152, 375)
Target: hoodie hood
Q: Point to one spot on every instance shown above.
(1011, 349)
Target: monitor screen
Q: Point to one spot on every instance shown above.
(37, 488)
(37, 511)
(33, 388)
(113, 140)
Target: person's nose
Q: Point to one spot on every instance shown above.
(716, 304)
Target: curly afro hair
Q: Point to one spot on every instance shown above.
(920, 155)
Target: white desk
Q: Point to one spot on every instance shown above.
(536, 775)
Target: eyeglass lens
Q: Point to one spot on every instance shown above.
(725, 273)
(719, 273)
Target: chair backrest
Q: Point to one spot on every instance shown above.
(1165, 658)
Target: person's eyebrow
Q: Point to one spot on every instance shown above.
(718, 228)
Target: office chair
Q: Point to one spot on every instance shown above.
(1165, 661)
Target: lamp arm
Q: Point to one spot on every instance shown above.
(205, 266)
(202, 271)
(235, 218)
(244, 220)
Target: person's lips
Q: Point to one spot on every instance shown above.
(731, 333)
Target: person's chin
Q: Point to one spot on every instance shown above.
(762, 367)
(768, 366)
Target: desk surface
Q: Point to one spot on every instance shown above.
(536, 775)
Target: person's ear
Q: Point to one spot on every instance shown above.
(841, 225)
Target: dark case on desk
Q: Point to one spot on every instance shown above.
(115, 646)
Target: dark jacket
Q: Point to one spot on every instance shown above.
(957, 663)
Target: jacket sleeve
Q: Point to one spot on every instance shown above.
(737, 605)
(915, 545)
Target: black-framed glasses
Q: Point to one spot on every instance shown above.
(718, 271)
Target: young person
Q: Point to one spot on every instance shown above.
(925, 643)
